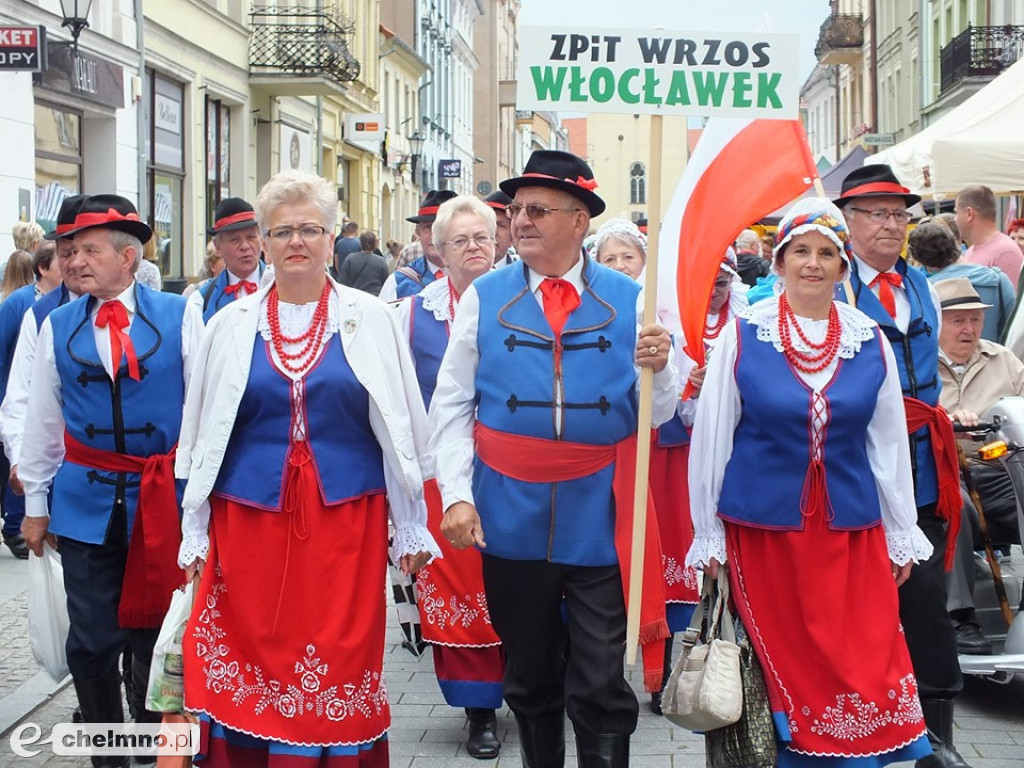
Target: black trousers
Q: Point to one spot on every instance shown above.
(553, 665)
(926, 623)
(93, 574)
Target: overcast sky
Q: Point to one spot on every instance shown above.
(803, 17)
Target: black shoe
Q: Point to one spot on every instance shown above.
(971, 640)
(483, 743)
(16, 543)
(938, 716)
(656, 703)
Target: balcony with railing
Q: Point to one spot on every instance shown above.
(979, 52)
(296, 51)
(840, 40)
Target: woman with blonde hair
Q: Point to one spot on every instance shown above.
(303, 431)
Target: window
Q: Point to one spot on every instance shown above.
(165, 168)
(637, 184)
(58, 140)
(218, 156)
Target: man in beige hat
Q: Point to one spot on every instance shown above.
(975, 374)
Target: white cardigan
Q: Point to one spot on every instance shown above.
(381, 362)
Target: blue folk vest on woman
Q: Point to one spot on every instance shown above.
(917, 359)
(519, 382)
(764, 479)
(139, 418)
(335, 403)
(428, 340)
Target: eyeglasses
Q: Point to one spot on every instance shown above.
(308, 232)
(880, 216)
(460, 244)
(534, 212)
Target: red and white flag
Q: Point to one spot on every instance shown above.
(740, 171)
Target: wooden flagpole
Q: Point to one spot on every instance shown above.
(643, 436)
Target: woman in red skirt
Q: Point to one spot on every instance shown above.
(302, 431)
(800, 480)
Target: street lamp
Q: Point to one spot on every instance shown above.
(76, 17)
(416, 145)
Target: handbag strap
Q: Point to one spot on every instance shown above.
(714, 599)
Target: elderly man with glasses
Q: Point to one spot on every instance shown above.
(904, 304)
(533, 421)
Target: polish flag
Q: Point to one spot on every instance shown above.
(741, 170)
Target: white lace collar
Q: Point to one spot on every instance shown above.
(295, 318)
(437, 298)
(855, 327)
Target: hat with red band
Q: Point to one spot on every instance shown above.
(66, 217)
(428, 208)
(232, 213)
(874, 181)
(110, 212)
(558, 170)
(498, 200)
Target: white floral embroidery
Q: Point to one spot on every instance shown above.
(457, 612)
(853, 718)
(677, 573)
(307, 695)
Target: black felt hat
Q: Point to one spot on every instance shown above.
(558, 170)
(498, 200)
(874, 181)
(428, 208)
(66, 217)
(110, 212)
(232, 213)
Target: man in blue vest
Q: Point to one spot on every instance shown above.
(420, 272)
(237, 239)
(109, 378)
(904, 304)
(539, 375)
(19, 372)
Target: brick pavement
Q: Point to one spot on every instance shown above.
(426, 733)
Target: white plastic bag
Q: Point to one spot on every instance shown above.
(166, 689)
(48, 612)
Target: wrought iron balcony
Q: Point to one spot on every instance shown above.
(299, 51)
(841, 39)
(979, 52)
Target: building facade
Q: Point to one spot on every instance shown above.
(494, 95)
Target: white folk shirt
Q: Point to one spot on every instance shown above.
(12, 411)
(453, 407)
(718, 413)
(43, 444)
(867, 274)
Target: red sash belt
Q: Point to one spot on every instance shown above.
(947, 466)
(151, 570)
(536, 460)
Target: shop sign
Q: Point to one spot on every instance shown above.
(22, 49)
(449, 169)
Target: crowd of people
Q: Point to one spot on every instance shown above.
(464, 410)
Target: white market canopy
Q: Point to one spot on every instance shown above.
(981, 141)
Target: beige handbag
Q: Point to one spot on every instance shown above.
(705, 690)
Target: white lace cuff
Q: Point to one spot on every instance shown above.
(194, 546)
(905, 546)
(704, 548)
(413, 539)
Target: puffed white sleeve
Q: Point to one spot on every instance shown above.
(888, 448)
(718, 412)
(453, 406)
(389, 291)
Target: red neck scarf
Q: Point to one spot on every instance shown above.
(113, 316)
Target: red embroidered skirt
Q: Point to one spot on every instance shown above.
(454, 619)
(821, 610)
(671, 492)
(286, 638)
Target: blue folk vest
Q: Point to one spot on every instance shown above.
(917, 359)
(764, 479)
(55, 298)
(570, 522)
(337, 418)
(214, 297)
(406, 286)
(140, 418)
(428, 340)
(12, 312)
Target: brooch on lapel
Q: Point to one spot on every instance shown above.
(351, 325)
